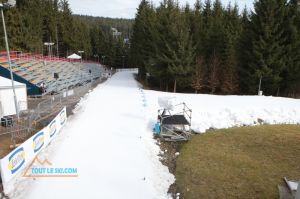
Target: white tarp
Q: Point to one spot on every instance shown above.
(7, 105)
(22, 156)
(74, 56)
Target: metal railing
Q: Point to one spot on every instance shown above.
(186, 111)
(175, 132)
(127, 69)
(32, 120)
(53, 103)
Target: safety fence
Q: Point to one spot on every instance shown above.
(127, 69)
(21, 157)
(14, 131)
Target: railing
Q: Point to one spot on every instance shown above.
(18, 55)
(186, 111)
(127, 69)
(35, 119)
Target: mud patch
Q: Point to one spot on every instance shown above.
(170, 151)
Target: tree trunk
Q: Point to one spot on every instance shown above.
(167, 87)
(160, 85)
(213, 90)
(175, 86)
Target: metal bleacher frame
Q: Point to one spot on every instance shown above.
(39, 69)
(176, 126)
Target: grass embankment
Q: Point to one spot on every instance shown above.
(246, 162)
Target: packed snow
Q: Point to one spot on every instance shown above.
(109, 139)
(217, 112)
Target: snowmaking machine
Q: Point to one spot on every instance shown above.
(173, 121)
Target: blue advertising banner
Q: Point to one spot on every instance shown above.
(19, 159)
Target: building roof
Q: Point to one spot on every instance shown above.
(6, 83)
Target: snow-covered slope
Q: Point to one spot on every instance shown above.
(107, 140)
(210, 111)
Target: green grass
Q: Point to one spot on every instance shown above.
(246, 162)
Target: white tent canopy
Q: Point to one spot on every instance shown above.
(6, 83)
(7, 105)
(74, 56)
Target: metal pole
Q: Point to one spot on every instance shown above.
(57, 42)
(9, 62)
(298, 191)
(259, 87)
(51, 52)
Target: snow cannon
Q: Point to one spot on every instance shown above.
(174, 120)
(167, 103)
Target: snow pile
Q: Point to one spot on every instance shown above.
(210, 111)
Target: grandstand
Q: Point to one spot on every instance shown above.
(43, 74)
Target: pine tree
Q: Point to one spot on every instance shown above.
(197, 28)
(182, 58)
(199, 76)
(175, 47)
(32, 28)
(214, 73)
(14, 30)
(291, 74)
(243, 54)
(66, 28)
(229, 80)
(232, 30)
(268, 39)
(141, 40)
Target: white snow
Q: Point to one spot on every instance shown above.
(109, 143)
(109, 139)
(293, 185)
(211, 111)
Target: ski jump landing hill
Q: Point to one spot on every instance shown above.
(109, 139)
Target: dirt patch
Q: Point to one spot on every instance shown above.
(5, 143)
(170, 151)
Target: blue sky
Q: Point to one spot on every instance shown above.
(127, 8)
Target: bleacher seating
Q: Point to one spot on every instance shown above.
(38, 70)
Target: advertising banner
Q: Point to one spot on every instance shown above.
(17, 160)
